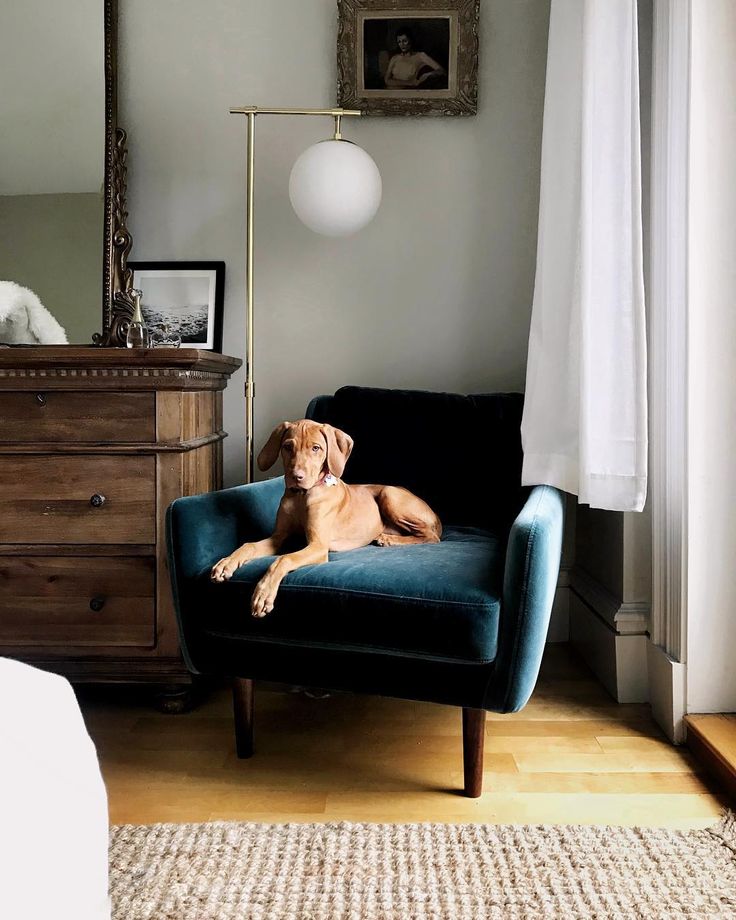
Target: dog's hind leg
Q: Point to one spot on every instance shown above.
(406, 519)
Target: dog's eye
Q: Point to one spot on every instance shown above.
(316, 447)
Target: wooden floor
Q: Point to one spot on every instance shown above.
(712, 738)
(571, 756)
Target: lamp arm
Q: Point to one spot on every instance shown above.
(259, 110)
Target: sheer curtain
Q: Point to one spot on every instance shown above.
(585, 417)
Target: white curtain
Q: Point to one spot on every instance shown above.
(585, 417)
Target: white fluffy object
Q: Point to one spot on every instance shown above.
(24, 320)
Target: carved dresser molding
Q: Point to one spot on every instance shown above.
(94, 445)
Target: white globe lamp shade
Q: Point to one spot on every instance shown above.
(335, 188)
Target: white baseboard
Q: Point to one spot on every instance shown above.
(618, 661)
(627, 618)
(667, 692)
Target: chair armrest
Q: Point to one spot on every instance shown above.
(203, 528)
(530, 581)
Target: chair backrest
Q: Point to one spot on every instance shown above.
(461, 454)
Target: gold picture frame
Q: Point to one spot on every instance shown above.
(408, 57)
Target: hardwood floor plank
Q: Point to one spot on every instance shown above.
(612, 744)
(712, 739)
(557, 727)
(573, 709)
(719, 731)
(557, 744)
(627, 762)
(601, 783)
(545, 808)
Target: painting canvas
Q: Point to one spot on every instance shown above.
(184, 297)
(407, 55)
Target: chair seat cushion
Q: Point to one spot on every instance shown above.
(437, 600)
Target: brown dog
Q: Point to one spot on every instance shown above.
(329, 513)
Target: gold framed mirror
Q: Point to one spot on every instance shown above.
(63, 177)
(117, 278)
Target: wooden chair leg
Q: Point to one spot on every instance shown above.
(243, 705)
(474, 730)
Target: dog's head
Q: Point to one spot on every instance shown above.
(308, 450)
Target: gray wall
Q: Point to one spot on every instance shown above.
(52, 107)
(435, 293)
(52, 244)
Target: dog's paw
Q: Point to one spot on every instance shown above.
(384, 539)
(226, 568)
(264, 598)
(223, 569)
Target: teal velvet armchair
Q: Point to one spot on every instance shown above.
(462, 622)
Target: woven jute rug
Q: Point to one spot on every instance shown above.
(224, 871)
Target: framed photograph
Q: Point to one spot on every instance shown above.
(408, 57)
(186, 297)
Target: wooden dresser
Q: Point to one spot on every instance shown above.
(94, 445)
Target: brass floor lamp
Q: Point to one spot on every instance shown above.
(335, 189)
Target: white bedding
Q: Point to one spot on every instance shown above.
(53, 804)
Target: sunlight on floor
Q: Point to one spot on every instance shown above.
(571, 756)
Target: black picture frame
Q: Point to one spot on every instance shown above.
(185, 276)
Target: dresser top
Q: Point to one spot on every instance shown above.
(40, 357)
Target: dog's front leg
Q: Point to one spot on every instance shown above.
(264, 594)
(226, 567)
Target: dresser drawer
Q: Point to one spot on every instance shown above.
(55, 416)
(77, 601)
(94, 499)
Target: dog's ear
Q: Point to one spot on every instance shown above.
(339, 446)
(272, 448)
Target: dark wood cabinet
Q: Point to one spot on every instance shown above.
(94, 445)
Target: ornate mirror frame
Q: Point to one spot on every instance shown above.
(117, 304)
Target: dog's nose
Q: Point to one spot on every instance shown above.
(298, 475)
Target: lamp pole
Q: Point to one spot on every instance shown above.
(251, 111)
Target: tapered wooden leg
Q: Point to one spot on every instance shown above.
(243, 700)
(474, 730)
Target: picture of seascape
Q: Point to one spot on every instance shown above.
(188, 321)
(180, 302)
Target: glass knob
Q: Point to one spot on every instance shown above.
(97, 500)
(96, 604)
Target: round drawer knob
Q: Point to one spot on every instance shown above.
(96, 604)
(97, 500)
(41, 399)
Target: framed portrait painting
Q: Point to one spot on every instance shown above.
(183, 300)
(408, 57)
